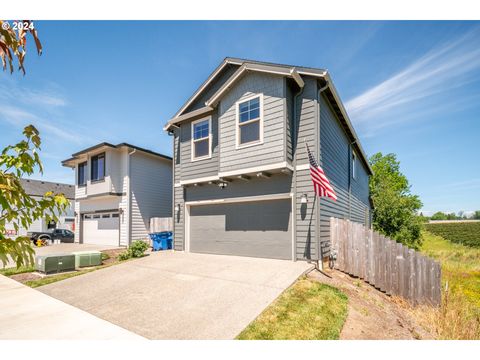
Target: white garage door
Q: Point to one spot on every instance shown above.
(101, 229)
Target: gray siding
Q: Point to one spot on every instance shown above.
(335, 158)
(273, 148)
(200, 168)
(228, 71)
(176, 156)
(306, 214)
(178, 220)
(151, 184)
(277, 184)
(289, 119)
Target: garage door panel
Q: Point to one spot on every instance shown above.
(101, 229)
(259, 229)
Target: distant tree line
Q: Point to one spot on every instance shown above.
(461, 215)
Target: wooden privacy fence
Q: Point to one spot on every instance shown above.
(384, 263)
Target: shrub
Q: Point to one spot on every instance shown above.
(137, 249)
(124, 255)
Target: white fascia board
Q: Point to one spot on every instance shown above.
(215, 97)
(199, 112)
(202, 87)
(275, 166)
(199, 180)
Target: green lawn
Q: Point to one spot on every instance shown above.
(58, 277)
(14, 270)
(308, 310)
(459, 315)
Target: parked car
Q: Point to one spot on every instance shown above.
(63, 235)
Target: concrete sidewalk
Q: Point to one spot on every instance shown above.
(27, 314)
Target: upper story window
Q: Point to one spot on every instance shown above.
(98, 167)
(250, 121)
(354, 165)
(201, 137)
(82, 174)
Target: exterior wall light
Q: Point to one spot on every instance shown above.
(177, 209)
(222, 184)
(304, 199)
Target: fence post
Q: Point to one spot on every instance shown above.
(412, 279)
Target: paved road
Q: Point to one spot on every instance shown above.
(176, 295)
(26, 314)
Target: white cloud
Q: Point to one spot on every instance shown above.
(438, 71)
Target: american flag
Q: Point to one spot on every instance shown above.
(320, 182)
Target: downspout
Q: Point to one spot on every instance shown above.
(294, 154)
(317, 217)
(129, 198)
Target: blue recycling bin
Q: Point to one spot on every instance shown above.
(162, 240)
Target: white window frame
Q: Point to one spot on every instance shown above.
(354, 164)
(192, 140)
(237, 122)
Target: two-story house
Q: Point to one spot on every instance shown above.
(37, 189)
(242, 184)
(118, 189)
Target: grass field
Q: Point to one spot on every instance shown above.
(308, 310)
(461, 233)
(459, 315)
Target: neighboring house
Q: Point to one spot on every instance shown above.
(118, 188)
(241, 173)
(36, 189)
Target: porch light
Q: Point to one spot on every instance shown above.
(304, 199)
(177, 209)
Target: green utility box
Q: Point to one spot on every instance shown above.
(87, 258)
(55, 263)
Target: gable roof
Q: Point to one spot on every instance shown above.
(76, 156)
(291, 71)
(39, 188)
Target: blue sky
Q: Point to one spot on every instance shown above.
(411, 88)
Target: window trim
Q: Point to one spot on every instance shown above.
(192, 140)
(354, 165)
(92, 181)
(85, 174)
(237, 122)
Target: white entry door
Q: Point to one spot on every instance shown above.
(101, 229)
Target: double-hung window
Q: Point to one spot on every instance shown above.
(82, 174)
(201, 137)
(249, 121)
(98, 167)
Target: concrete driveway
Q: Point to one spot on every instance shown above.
(176, 295)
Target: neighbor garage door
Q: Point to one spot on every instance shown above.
(101, 229)
(258, 229)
